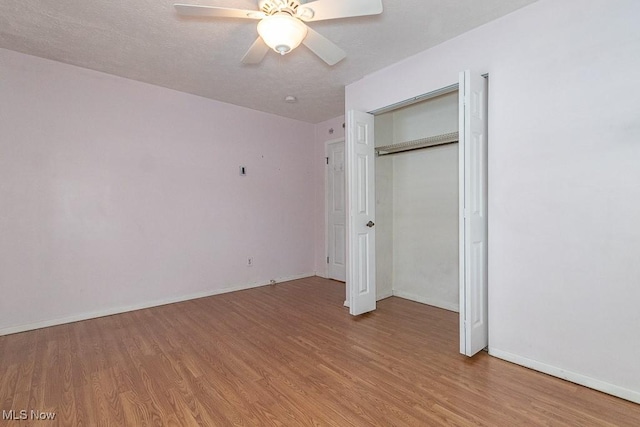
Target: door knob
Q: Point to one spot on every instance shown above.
(370, 224)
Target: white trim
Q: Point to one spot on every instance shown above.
(326, 208)
(573, 377)
(384, 295)
(462, 300)
(133, 307)
(415, 99)
(429, 301)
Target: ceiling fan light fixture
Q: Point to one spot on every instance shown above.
(282, 32)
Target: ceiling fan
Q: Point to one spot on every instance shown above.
(282, 24)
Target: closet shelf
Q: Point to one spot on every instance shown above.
(431, 141)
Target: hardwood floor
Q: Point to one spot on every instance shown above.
(287, 355)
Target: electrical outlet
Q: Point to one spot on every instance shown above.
(249, 262)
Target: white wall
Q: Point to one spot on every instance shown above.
(564, 181)
(432, 117)
(384, 224)
(425, 226)
(116, 194)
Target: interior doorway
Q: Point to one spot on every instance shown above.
(336, 210)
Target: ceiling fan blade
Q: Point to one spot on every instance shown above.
(216, 12)
(333, 9)
(323, 47)
(256, 52)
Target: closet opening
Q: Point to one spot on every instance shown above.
(417, 200)
(409, 189)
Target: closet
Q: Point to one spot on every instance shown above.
(417, 201)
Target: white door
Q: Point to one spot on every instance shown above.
(336, 213)
(473, 213)
(361, 243)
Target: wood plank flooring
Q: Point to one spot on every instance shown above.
(283, 355)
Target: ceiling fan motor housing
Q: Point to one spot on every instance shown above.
(291, 7)
(271, 7)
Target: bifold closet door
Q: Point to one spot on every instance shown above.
(361, 235)
(473, 213)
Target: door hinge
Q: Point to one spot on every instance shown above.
(327, 260)
(327, 160)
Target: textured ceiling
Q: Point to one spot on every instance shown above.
(145, 40)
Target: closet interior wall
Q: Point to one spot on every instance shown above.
(417, 205)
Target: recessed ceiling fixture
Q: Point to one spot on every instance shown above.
(282, 24)
(290, 99)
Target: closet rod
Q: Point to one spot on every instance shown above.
(416, 144)
(379, 154)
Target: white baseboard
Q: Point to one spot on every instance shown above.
(378, 298)
(384, 295)
(123, 309)
(573, 377)
(417, 298)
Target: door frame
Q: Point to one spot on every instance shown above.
(326, 202)
(447, 89)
